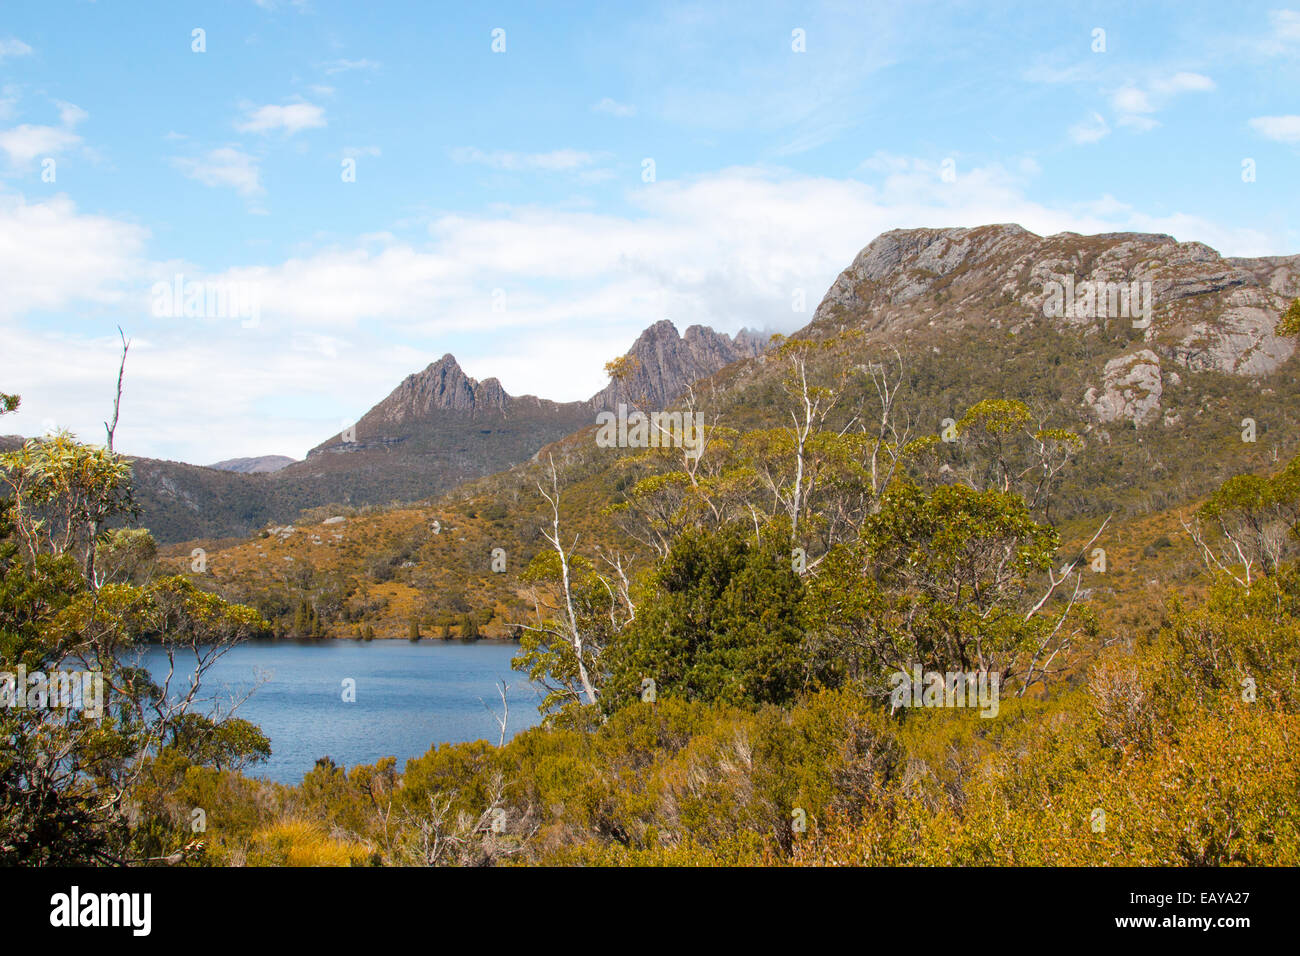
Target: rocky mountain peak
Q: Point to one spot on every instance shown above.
(442, 385)
(664, 363)
(1187, 307)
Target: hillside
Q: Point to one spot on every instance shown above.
(437, 429)
(246, 466)
(1160, 409)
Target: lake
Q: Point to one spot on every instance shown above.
(409, 697)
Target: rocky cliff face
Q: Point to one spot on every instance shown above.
(1031, 313)
(664, 364)
(443, 385)
(1192, 308)
(440, 427)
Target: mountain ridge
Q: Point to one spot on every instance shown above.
(965, 310)
(437, 428)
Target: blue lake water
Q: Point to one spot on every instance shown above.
(409, 697)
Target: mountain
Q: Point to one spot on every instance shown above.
(435, 430)
(991, 311)
(975, 312)
(663, 365)
(1207, 313)
(254, 466)
(968, 314)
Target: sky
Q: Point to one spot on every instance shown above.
(528, 186)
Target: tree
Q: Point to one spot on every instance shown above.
(1289, 322)
(951, 580)
(67, 773)
(126, 555)
(1252, 522)
(721, 620)
(63, 493)
(576, 610)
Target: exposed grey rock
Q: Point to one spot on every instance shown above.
(1239, 341)
(1131, 389)
(1208, 312)
(664, 364)
(254, 466)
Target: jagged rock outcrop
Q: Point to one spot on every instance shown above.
(1207, 312)
(1131, 389)
(442, 385)
(1051, 308)
(664, 364)
(440, 427)
(1193, 308)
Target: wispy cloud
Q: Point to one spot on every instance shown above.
(1283, 129)
(25, 143)
(1283, 35)
(614, 108)
(11, 46)
(22, 144)
(1135, 105)
(343, 66)
(70, 114)
(225, 167)
(560, 160)
(292, 118)
(1091, 130)
(1183, 83)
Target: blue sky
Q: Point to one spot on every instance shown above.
(502, 207)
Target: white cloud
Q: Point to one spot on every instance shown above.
(614, 108)
(726, 250)
(225, 167)
(25, 143)
(9, 96)
(70, 114)
(292, 118)
(28, 142)
(1183, 83)
(52, 256)
(1091, 130)
(1284, 33)
(1283, 129)
(1134, 105)
(343, 66)
(1047, 71)
(12, 46)
(560, 160)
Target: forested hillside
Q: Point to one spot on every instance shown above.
(942, 578)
